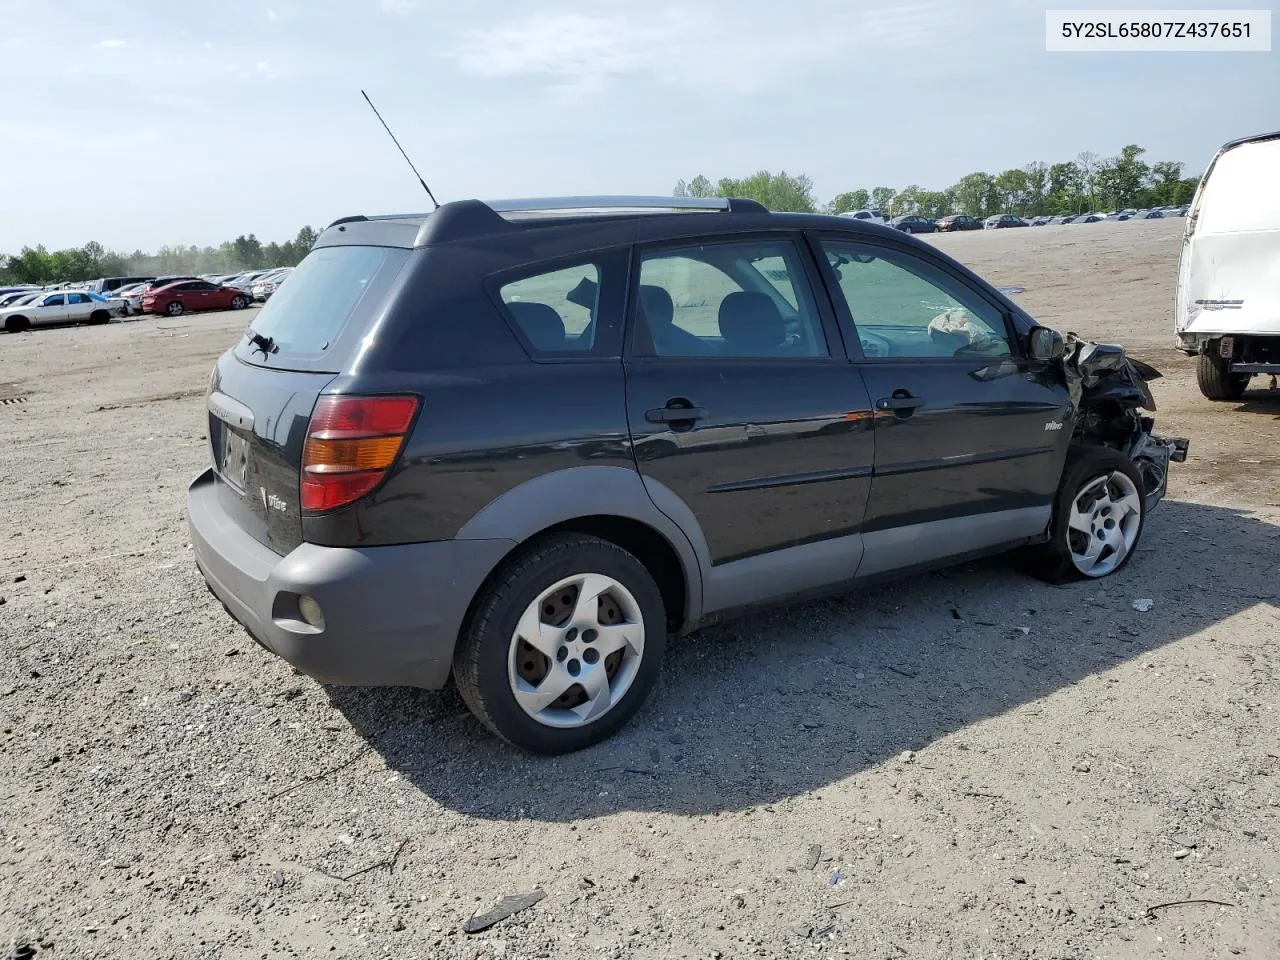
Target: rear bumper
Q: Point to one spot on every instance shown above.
(391, 615)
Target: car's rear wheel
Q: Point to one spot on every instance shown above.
(99, 316)
(1216, 381)
(238, 302)
(174, 309)
(563, 646)
(1098, 517)
(16, 324)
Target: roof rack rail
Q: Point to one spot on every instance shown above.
(622, 204)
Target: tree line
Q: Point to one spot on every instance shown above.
(42, 266)
(1039, 189)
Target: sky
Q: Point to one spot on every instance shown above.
(141, 123)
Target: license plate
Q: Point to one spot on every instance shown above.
(234, 458)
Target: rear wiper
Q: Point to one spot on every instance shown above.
(264, 343)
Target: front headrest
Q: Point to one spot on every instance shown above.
(751, 325)
(540, 323)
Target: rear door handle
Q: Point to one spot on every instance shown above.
(674, 414)
(899, 403)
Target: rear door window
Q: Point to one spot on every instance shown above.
(746, 298)
(306, 316)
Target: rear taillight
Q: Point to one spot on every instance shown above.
(351, 443)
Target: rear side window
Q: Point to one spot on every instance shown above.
(739, 299)
(556, 310)
(306, 315)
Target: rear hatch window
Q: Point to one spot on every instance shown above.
(320, 311)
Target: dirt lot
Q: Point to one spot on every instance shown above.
(963, 765)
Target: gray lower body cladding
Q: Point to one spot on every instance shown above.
(390, 614)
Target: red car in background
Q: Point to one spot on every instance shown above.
(178, 298)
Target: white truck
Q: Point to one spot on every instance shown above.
(1227, 307)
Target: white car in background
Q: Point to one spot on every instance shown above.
(61, 306)
(866, 216)
(264, 287)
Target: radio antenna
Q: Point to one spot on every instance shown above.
(400, 148)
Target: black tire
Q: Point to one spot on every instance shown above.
(175, 308)
(1216, 381)
(16, 324)
(99, 316)
(239, 302)
(1052, 561)
(481, 658)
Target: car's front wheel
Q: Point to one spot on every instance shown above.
(239, 303)
(1098, 517)
(563, 646)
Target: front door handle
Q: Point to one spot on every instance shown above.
(674, 414)
(897, 403)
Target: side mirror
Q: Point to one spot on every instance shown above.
(1045, 344)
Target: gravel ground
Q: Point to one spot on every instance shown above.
(966, 764)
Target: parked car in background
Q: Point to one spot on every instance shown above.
(1089, 218)
(958, 221)
(263, 288)
(1002, 220)
(15, 297)
(866, 216)
(245, 279)
(61, 306)
(1151, 215)
(193, 295)
(109, 285)
(913, 224)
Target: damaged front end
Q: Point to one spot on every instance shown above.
(1109, 390)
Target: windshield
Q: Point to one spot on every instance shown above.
(1240, 194)
(306, 315)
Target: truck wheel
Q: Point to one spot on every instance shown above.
(1216, 381)
(563, 646)
(1098, 517)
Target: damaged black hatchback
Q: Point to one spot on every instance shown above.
(518, 444)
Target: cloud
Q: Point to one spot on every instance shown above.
(272, 15)
(398, 7)
(110, 44)
(264, 70)
(581, 52)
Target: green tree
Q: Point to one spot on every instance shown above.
(882, 198)
(1011, 190)
(907, 201)
(778, 192)
(1037, 175)
(1167, 175)
(848, 202)
(248, 252)
(975, 194)
(304, 241)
